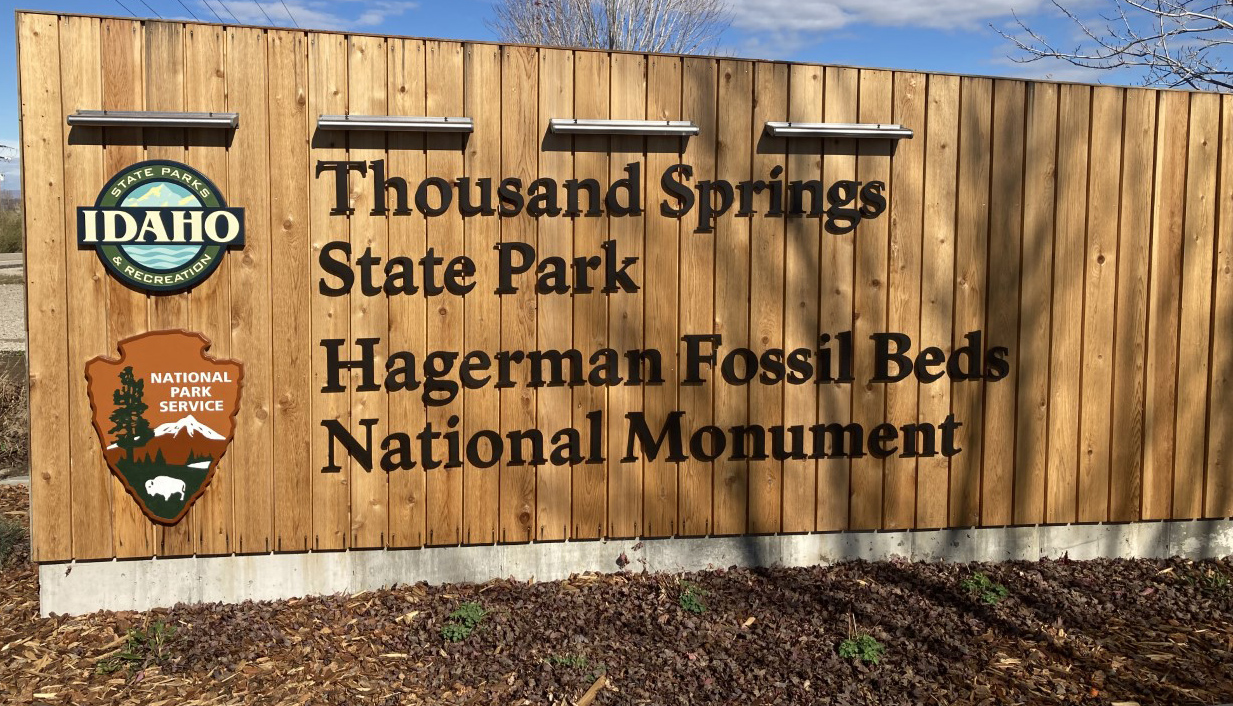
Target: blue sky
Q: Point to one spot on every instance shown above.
(932, 35)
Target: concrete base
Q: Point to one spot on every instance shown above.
(82, 587)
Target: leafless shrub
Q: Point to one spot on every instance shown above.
(671, 26)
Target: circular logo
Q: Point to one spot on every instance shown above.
(160, 226)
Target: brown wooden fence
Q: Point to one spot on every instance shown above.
(1089, 230)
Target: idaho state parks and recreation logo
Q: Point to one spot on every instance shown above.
(164, 413)
(160, 226)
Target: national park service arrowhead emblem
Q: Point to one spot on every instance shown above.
(164, 413)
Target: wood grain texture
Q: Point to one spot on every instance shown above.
(1194, 339)
(1218, 495)
(937, 293)
(971, 286)
(1067, 336)
(1002, 303)
(331, 317)
(731, 479)
(82, 84)
(1172, 125)
(802, 239)
(903, 287)
(1099, 301)
(663, 276)
(766, 294)
(871, 260)
(482, 306)
(1134, 250)
(291, 317)
(405, 157)
(1035, 303)
(835, 275)
(697, 290)
(47, 309)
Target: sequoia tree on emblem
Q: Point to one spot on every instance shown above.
(164, 413)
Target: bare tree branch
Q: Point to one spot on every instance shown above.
(1170, 42)
(669, 26)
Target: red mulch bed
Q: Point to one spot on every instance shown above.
(1087, 632)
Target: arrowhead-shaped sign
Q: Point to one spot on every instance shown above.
(164, 413)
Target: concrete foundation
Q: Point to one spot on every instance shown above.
(82, 587)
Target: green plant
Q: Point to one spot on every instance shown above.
(989, 590)
(691, 598)
(12, 536)
(462, 622)
(863, 647)
(142, 647)
(10, 228)
(568, 660)
(1210, 580)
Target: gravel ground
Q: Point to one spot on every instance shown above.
(1092, 632)
(12, 317)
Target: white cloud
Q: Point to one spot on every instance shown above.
(312, 14)
(826, 15)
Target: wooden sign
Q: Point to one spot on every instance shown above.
(164, 413)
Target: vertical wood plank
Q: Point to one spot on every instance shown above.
(1134, 248)
(1169, 200)
(869, 303)
(46, 307)
(331, 318)
(210, 302)
(519, 156)
(408, 313)
(697, 289)
(836, 259)
(1218, 496)
(1035, 300)
(731, 490)
(1099, 300)
(903, 285)
(802, 239)
(625, 310)
(248, 163)
(1194, 341)
(446, 314)
(81, 84)
(766, 293)
(123, 89)
(590, 314)
(937, 275)
(164, 67)
(553, 311)
(1067, 336)
(971, 254)
(1002, 324)
(291, 282)
(366, 95)
(482, 316)
(659, 491)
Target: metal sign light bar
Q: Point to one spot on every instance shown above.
(574, 126)
(151, 118)
(399, 123)
(854, 130)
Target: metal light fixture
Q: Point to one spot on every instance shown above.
(854, 130)
(153, 118)
(399, 123)
(574, 126)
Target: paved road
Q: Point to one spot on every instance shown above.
(12, 317)
(12, 305)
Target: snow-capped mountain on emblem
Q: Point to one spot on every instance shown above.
(190, 425)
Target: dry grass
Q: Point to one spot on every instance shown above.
(14, 424)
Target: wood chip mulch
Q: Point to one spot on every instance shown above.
(1090, 632)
